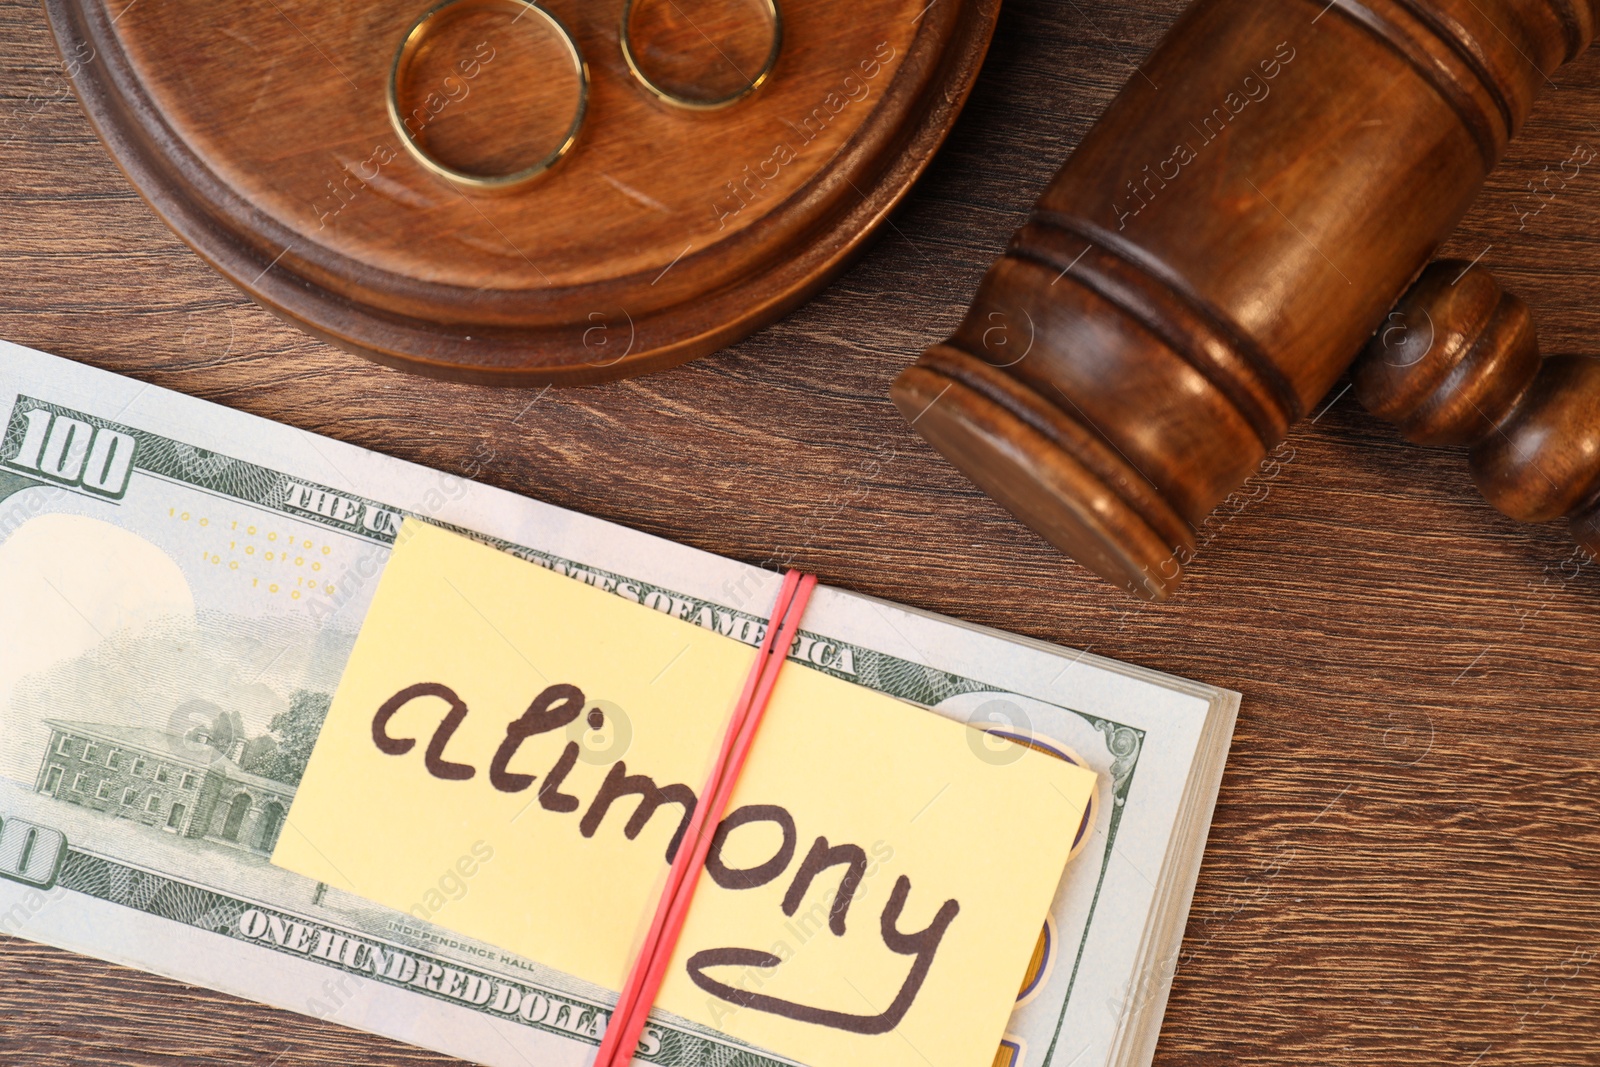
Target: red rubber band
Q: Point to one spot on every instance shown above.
(650, 966)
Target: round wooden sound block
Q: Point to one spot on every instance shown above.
(260, 131)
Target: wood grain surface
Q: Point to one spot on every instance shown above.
(1405, 862)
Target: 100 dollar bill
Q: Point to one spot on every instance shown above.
(180, 586)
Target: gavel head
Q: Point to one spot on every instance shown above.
(1215, 254)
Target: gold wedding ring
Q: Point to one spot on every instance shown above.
(417, 36)
(690, 102)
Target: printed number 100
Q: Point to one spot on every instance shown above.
(70, 450)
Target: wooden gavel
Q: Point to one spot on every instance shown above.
(1219, 250)
(1457, 363)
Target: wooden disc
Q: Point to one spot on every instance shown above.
(260, 132)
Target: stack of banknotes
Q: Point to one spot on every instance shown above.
(182, 585)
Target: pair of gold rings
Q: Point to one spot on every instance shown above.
(421, 30)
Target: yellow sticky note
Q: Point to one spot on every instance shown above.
(877, 888)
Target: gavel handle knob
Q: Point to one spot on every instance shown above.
(1457, 363)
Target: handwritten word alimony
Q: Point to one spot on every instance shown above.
(558, 707)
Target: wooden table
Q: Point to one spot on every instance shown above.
(1405, 862)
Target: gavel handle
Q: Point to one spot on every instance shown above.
(1458, 363)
